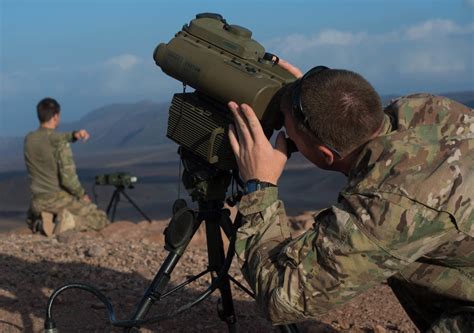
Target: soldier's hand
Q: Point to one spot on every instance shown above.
(86, 198)
(255, 155)
(82, 135)
(290, 68)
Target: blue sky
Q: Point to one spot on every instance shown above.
(90, 53)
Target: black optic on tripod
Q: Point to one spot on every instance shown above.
(118, 179)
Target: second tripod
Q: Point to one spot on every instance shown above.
(115, 199)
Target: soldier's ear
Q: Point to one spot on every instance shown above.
(327, 154)
(56, 118)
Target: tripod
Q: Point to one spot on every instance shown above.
(115, 199)
(208, 187)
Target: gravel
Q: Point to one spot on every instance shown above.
(121, 261)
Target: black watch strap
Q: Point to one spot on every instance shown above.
(253, 185)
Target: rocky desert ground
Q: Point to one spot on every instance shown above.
(122, 260)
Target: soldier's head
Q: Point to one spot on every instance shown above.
(48, 110)
(329, 113)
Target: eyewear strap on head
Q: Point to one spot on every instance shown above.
(297, 105)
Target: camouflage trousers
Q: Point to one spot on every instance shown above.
(432, 313)
(82, 215)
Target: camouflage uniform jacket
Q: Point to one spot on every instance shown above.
(50, 163)
(407, 209)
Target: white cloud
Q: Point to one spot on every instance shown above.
(18, 82)
(121, 75)
(335, 37)
(299, 43)
(432, 63)
(434, 55)
(430, 29)
(436, 28)
(124, 61)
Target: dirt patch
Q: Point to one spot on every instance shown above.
(122, 261)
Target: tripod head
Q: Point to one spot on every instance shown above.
(203, 181)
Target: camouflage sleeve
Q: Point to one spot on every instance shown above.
(66, 136)
(67, 170)
(350, 248)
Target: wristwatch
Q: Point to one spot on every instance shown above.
(253, 185)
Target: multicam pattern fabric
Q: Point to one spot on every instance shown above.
(47, 155)
(405, 215)
(457, 323)
(55, 186)
(85, 215)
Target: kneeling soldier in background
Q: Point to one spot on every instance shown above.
(55, 187)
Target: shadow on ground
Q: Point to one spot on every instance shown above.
(27, 286)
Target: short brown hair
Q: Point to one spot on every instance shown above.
(47, 108)
(341, 108)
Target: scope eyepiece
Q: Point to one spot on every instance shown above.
(214, 16)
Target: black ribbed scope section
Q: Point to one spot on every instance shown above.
(201, 127)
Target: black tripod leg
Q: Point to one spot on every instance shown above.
(179, 232)
(157, 287)
(216, 255)
(136, 206)
(114, 206)
(111, 202)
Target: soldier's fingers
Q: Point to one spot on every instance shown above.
(280, 146)
(290, 68)
(234, 142)
(255, 127)
(82, 135)
(241, 125)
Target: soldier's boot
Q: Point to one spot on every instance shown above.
(47, 223)
(33, 221)
(66, 222)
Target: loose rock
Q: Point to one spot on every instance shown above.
(95, 251)
(121, 261)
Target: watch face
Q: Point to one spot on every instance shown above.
(251, 186)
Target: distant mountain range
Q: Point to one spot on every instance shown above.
(141, 124)
(125, 125)
(113, 126)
